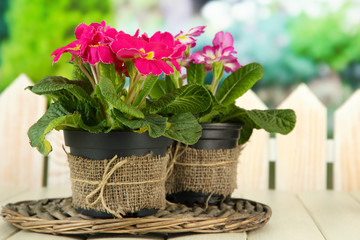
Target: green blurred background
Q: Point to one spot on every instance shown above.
(316, 42)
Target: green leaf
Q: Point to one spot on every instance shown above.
(156, 124)
(38, 131)
(107, 70)
(279, 121)
(196, 73)
(78, 74)
(53, 84)
(184, 128)
(72, 96)
(56, 117)
(130, 123)
(245, 134)
(170, 83)
(239, 82)
(149, 83)
(158, 90)
(108, 92)
(190, 98)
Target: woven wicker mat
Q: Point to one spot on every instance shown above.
(57, 216)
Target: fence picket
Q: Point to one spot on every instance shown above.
(347, 142)
(253, 167)
(301, 163)
(58, 166)
(20, 165)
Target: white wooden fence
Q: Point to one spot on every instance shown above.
(300, 158)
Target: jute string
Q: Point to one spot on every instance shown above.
(173, 157)
(101, 186)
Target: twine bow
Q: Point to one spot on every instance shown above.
(173, 157)
(101, 187)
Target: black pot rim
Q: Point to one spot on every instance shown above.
(221, 125)
(122, 143)
(102, 135)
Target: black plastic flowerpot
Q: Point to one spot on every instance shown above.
(214, 136)
(102, 146)
(106, 145)
(218, 136)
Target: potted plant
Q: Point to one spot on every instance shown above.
(206, 171)
(118, 138)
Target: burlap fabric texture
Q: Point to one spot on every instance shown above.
(119, 185)
(206, 171)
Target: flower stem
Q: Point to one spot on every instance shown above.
(94, 73)
(132, 85)
(218, 70)
(87, 74)
(97, 67)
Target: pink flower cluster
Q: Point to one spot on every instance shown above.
(92, 44)
(99, 42)
(221, 51)
(160, 53)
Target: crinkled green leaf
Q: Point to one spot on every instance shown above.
(170, 83)
(155, 124)
(149, 83)
(196, 73)
(107, 70)
(130, 123)
(245, 134)
(191, 98)
(72, 95)
(215, 111)
(279, 121)
(52, 84)
(78, 74)
(239, 82)
(184, 128)
(56, 117)
(158, 90)
(108, 91)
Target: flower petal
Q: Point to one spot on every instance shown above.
(145, 66)
(165, 38)
(231, 66)
(105, 54)
(176, 64)
(196, 31)
(73, 48)
(92, 56)
(130, 53)
(198, 57)
(163, 66)
(223, 39)
(209, 51)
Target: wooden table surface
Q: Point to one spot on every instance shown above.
(305, 216)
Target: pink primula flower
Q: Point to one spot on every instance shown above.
(150, 55)
(92, 44)
(221, 51)
(187, 38)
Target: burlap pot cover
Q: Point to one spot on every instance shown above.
(205, 171)
(118, 185)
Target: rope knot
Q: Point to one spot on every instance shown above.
(99, 191)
